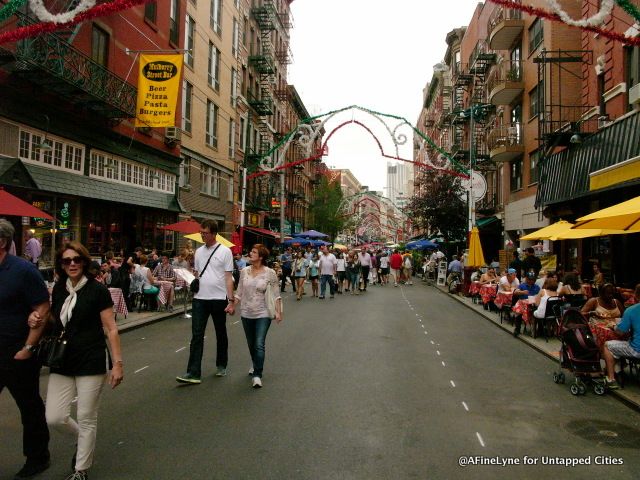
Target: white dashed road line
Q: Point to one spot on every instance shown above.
(180, 349)
(141, 369)
(452, 384)
(465, 406)
(480, 439)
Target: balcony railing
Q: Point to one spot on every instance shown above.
(504, 26)
(50, 61)
(505, 142)
(505, 83)
(263, 105)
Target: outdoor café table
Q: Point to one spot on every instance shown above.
(165, 289)
(525, 308)
(602, 332)
(119, 304)
(502, 299)
(474, 288)
(487, 292)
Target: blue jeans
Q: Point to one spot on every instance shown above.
(255, 329)
(323, 284)
(200, 315)
(354, 279)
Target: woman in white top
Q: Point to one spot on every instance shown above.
(341, 271)
(256, 282)
(550, 290)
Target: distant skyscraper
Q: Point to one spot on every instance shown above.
(396, 181)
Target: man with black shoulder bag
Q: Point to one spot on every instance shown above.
(23, 291)
(212, 296)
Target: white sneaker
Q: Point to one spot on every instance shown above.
(251, 372)
(221, 372)
(257, 382)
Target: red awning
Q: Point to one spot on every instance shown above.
(11, 205)
(186, 226)
(263, 231)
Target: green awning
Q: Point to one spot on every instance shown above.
(486, 221)
(57, 181)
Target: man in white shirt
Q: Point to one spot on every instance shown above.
(509, 282)
(328, 268)
(365, 265)
(32, 248)
(213, 264)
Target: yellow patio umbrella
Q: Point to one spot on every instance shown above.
(475, 258)
(339, 246)
(623, 216)
(219, 238)
(549, 231)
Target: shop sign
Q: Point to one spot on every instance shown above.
(37, 221)
(158, 87)
(479, 187)
(253, 220)
(297, 227)
(63, 217)
(275, 203)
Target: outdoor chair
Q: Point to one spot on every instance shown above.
(548, 325)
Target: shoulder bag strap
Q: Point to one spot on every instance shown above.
(207, 264)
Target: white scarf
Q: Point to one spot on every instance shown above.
(70, 302)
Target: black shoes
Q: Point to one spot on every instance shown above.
(31, 469)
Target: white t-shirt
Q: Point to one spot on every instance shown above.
(341, 264)
(213, 285)
(365, 259)
(504, 281)
(327, 264)
(384, 262)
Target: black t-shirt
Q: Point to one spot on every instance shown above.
(21, 289)
(86, 352)
(531, 262)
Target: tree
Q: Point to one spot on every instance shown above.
(440, 207)
(324, 210)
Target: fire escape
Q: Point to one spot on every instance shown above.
(49, 60)
(262, 59)
(480, 61)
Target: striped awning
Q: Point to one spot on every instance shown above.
(567, 175)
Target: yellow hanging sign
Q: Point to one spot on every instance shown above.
(158, 87)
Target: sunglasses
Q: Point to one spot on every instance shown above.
(77, 260)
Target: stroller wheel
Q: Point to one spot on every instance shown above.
(575, 390)
(561, 377)
(582, 388)
(556, 378)
(598, 389)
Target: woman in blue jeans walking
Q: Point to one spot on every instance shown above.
(252, 294)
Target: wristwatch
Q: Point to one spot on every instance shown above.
(31, 348)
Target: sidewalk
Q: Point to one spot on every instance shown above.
(137, 319)
(630, 394)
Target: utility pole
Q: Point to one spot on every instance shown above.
(472, 202)
(282, 211)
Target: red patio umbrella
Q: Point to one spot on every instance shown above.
(186, 226)
(12, 206)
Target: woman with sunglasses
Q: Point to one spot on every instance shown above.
(84, 309)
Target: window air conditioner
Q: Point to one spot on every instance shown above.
(634, 94)
(172, 134)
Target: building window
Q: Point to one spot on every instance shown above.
(535, 35)
(534, 167)
(62, 156)
(234, 86)
(245, 26)
(516, 174)
(232, 139)
(214, 66)
(242, 133)
(536, 100)
(185, 172)
(205, 178)
(150, 12)
(99, 46)
(230, 188)
(173, 21)
(215, 16)
(234, 38)
(189, 45)
(212, 124)
(187, 99)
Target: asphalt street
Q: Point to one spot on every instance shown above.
(398, 383)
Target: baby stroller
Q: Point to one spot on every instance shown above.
(579, 354)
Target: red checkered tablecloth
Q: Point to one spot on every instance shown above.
(165, 291)
(602, 332)
(488, 292)
(502, 299)
(119, 303)
(524, 308)
(474, 288)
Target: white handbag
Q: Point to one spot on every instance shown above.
(270, 297)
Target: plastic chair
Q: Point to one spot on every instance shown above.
(552, 312)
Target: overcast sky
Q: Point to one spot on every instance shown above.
(376, 54)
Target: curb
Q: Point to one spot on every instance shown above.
(135, 324)
(617, 394)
